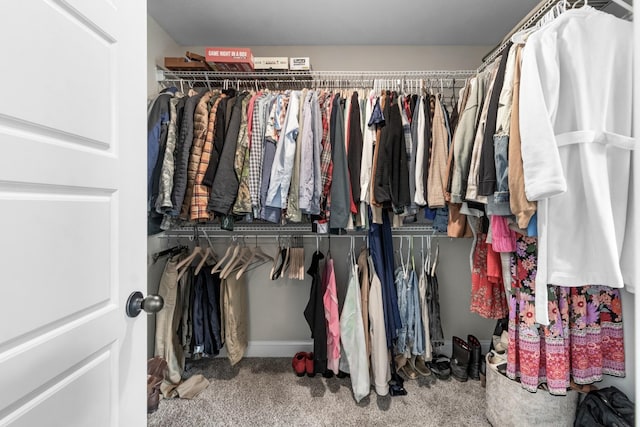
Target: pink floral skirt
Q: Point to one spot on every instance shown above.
(584, 339)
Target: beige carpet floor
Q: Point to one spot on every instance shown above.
(266, 392)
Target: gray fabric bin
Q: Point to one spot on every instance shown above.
(508, 404)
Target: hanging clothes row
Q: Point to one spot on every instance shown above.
(204, 310)
(297, 155)
(544, 156)
(377, 318)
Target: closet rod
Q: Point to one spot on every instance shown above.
(308, 75)
(215, 230)
(534, 16)
(313, 235)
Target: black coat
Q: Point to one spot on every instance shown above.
(314, 314)
(183, 148)
(225, 184)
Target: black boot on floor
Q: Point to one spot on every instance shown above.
(460, 358)
(476, 357)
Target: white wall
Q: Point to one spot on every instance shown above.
(377, 58)
(159, 45)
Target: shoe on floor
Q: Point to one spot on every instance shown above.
(440, 366)
(409, 370)
(420, 366)
(476, 357)
(309, 369)
(460, 357)
(299, 363)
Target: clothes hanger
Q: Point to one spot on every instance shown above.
(287, 259)
(208, 254)
(586, 3)
(402, 264)
(219, 265)
(244, 254)
(182, 266)
(236, 256)
(435, 259)
(279, 262)
(413, 260)
(256, 254)
(427, 265)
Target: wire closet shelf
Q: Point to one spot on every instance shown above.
(536, 15)
(320, 79)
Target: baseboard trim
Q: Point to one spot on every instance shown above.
(274, 348)
(447, 347)
(284, 348)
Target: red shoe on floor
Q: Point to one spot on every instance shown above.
(299, 363)
(309, 365)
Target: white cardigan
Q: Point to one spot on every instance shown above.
(576, 130)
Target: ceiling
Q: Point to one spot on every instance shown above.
(338, 22)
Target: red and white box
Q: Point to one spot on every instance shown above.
(229, 58)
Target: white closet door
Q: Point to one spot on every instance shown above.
(72, 209)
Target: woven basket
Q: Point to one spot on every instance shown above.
(508, 404)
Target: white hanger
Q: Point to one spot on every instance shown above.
(435, 260)
(402, 263)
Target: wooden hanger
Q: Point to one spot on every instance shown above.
(206, 256)
(256, 254)
(219, 265)
(242, 256)
(183, 265)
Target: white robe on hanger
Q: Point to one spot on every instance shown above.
(576, 129)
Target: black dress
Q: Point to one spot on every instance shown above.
(314, 314)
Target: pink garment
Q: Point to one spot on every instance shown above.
(503, 239)
(330, 299)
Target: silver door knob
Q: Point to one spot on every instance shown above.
(137, 302)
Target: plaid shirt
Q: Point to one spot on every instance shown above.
(200, 197)
(256, 152)
(326, 165)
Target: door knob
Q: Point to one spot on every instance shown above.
(137, 302)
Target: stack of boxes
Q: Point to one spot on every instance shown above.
(235, 59)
